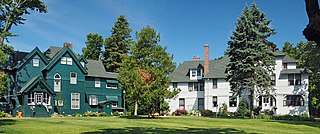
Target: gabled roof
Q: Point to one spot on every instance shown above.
(57, 57)
(28, 56)
(288, 59)
(34, 81)
(82, 58)
(96, 69)
(52, 51)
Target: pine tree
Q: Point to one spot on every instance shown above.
(117, 45)
(93, 49)
(251, 55)
(144, 74)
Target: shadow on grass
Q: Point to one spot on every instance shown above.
(306, 123)
(139, 130)
(7, 122)
(140, 117)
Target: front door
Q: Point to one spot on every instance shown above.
(266, 102)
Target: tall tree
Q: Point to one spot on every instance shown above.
(93, 49)
(251, 55)
(144, 74)
(12, 12)
(117, 44)
(307, 54)
(312, 30)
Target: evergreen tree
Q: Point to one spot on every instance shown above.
(251, 55)
(93, 49)
(117, 44)
(144, 74)
(243, 108)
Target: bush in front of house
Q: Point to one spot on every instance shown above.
(243, 109)
(90, 114)
(207, 113)
(116, 113)
(223, 110)
(301, 117)
(194, 113)
(180, 112)
(4, 114)
(56, 115)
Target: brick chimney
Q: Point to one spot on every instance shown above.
(196, 58)
(68, 44)
(206, 59)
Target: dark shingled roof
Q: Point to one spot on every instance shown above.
(279, 53)
(295, 71)
(217, 68)
(95, 68)
(54, 50)
(288, 59)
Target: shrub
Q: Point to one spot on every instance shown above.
(223, 110)
(243, 109)
(90, 114)
(264, 117)
(116, 113)
(164, 107)
(194, 113)
(55, 115)
(179, 112)
(128, 114)
(256, 110)
(4, 114)
(207, 113)
(102, 114)
(302, 117)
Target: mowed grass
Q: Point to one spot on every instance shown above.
(184, 124)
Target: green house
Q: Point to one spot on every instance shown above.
(58, 80)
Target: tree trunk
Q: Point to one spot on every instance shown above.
(136, 108)
(312, 30)
(251, 104)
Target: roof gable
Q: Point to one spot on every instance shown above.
(60, 54)
(31, 54)
(96, 69)
(34, 81)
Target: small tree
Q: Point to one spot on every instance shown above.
(243, 108)
(93, 49)
(223, 110)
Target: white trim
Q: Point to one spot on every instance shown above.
(75, 101)
(63, 60)
(73, 80)
(97, 82)
(69, 61)
(93, 100)
(57, 83)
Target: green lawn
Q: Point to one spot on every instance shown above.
(182, 124)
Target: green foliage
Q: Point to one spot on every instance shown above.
(223, 110)
(12, 12)
(194, 113)
(180, 112)
(251, 54)
(4, 115)
(266, 116)
(256, 110)
(243, 109)
(4, 52)
(302, 117)
(56, 115)
(144, 74)
(93, 49)
(117, 45)
(164, 106)
(116, 113)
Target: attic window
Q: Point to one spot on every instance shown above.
(63, 60)
(194, 73)
(69, 61)
(82, 63)
(35, 62)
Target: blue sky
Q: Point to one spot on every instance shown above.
(184, 25)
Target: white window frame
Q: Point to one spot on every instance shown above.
(69, 61)
(112, 87)
(82, 63)
(35, 62)
(63, 60)
(31, 99)
(93, 100)
(114, 104)
(57, 88)
(97, 82)
(75, 101)
(38, 102)
(73, 80)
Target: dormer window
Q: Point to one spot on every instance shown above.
(35, 62)
(196, 74)
(285, 65)
(69, 61)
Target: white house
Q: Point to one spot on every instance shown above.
(203, 86)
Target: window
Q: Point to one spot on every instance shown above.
(46, 99)
(294, 79)
(31, 99)
(75, 100)
(200, 103)
(97, 82)
(69, 61)
(114, 104)
(285, 65)
(198, 72)
(93, 100)
(38, 97)
(293, 100)
(82, 63)
(35, 62)
(174, 84)
(297, 79)
(214, 101)
(193, 72)
(273, 79)
(181, 103)
(57, 83)
(201, 86)
(63, 60)
(265, 99)
(112, 85)
(190, 86)
(232, 101)
(73, 78)
(214, 83)
(195, 86)
(291, 79)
